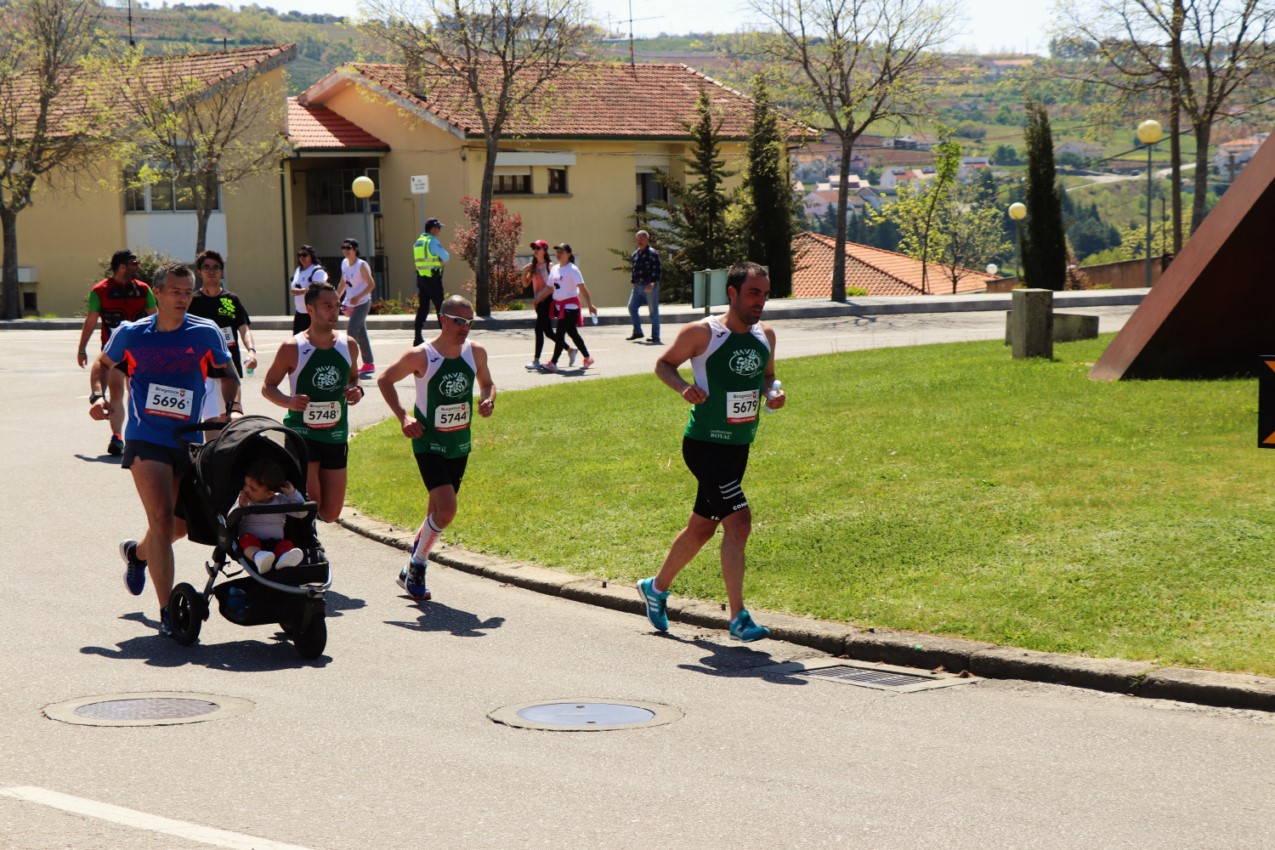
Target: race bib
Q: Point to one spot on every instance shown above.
(742, 406)
(322, 414)
(170, 402)
(451, 417)
(228, 334)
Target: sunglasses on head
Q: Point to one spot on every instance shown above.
(460, 320)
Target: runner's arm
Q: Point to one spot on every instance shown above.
(353, 392)
(100, 408)
(81, 350)
(284, 362)
(406, 365)
(776, 402)
(486, 386)
(691, 341)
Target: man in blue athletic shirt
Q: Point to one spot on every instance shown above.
(169, 355)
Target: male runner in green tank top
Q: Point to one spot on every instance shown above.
(446, 369)
(322, 365)
(733, 365)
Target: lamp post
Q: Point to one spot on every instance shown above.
(1018, 212)
(1149, 133)
(364, 188)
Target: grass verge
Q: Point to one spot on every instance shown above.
(945, 489)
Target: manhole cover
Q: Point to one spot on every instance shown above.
(150, 709)
(877, 676)
(585, 715)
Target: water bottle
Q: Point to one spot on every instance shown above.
(595, 318)
(772, 392)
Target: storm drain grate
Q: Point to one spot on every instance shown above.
(871, 678)
(162, 708)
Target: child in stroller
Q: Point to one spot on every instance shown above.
(264, 483)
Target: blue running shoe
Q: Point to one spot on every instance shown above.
(134, 568)
(656, 604)
(742, 628)
(412, 579)
(165, 623)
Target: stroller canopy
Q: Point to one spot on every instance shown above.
(223, 460)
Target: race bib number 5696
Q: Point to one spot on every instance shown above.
(170, 402)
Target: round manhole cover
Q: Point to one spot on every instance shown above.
(151, 709)
(585, 715)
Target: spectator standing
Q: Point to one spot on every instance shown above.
(429, 256)
(356, 275)
(308, 271)
(645, 278)
(117, 299)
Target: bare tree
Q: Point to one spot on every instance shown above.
(198, 127)
(49, 129)
(851, 64)
(1195, 56)
(495, 59)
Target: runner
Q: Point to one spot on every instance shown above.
(169, 355)
(446, 369)
(733, 364)
(223, 308)
(308, 271)
(117, 299)
(322, 366)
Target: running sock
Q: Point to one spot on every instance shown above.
(425, 540)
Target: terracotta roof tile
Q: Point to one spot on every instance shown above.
(319, 128)
(598, 99)
(878, 272)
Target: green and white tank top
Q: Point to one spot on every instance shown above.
(322, 374)
(445, 402)
(732, 371)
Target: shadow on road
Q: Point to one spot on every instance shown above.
(441, 618)
(267, 653)
(733, 660)
(113, 460)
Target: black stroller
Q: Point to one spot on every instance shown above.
(292, 597)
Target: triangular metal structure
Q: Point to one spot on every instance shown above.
(1213, 312)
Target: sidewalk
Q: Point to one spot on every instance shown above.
(676, 314)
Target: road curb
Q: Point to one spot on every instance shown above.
(906, 649)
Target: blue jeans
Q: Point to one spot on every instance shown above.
(652, 299)
(358, 330)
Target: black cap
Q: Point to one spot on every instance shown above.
(122, 257)
(431, 224)
(565, 246)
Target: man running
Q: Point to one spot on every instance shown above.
(223, 308)
(322, 366)
(169, 356)
(446, 369)
(733, 364)
(117, 299)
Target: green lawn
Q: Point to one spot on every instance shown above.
(945, 489)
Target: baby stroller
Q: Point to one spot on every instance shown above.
(292, 597)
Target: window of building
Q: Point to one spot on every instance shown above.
(330, 191)
(557, 181)
(512, 184)
(650, 189)
(149, 189)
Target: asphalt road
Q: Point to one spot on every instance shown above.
(386, 740)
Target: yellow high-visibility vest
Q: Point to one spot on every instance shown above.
(423, 253)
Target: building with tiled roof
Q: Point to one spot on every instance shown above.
(104, 213)
(872, 270)
(575, 170)
(317, 129)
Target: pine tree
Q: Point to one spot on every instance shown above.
(1044, 242)
(768, 189)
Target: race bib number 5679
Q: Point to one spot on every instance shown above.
(742, 406)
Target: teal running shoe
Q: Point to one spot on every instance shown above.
(656, 604)
(742, 628)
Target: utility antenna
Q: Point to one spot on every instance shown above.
(633, 61)
(131, 43)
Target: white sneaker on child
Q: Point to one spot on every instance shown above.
(264, 561)
(290, 559)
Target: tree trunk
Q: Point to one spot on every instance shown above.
(843, 195)
(1203, 130)
(482, 274)
(11, 306)
(1175, 122)
(201, 230)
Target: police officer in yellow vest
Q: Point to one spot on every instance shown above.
(429, 255)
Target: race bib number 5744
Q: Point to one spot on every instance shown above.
(451, 417)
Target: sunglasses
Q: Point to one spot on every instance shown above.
(347, 247)
(460, 320)
(209, 267)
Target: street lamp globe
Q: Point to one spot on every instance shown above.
(992, 268)
(1150, 132)
(1018, 211)
(363, 187)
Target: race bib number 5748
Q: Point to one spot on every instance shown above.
(170, 402)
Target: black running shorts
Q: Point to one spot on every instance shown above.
(437, 470)
(328, 455)
(719, 469)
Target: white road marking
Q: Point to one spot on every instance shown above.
(142, 820)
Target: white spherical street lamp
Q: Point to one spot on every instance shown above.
(1149, 133)
(1018, 211)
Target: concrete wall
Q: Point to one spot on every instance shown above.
(1127, 274)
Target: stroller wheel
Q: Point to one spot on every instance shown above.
(310, 643)
(187, 610)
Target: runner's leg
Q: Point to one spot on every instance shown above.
(331, 492)
(116, 384)
(157, 488)
(735, 531)
(698, 531)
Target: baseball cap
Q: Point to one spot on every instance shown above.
(540, 243)
(122, 258)
(565, 246)
(432, 223)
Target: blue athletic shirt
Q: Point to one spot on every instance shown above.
(166, 374)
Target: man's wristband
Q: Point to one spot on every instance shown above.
(253, 350)
(94, 398)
